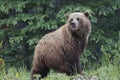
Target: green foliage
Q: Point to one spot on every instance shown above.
(111, 52)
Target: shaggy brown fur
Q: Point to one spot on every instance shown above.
(60, 50)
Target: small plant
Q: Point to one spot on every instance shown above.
(2, 66)
(1, 44)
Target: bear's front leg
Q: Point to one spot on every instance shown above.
(78, 66)
(66, 68)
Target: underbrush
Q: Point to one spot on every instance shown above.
(109, 72)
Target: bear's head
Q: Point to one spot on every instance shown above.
(79, 23)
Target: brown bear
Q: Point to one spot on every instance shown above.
(60, 50)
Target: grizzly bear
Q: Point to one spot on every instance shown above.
(60, 50)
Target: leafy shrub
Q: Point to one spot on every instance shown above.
(111, 52)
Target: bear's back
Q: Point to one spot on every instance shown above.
(49, 42)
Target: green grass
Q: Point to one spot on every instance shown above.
(14, 74)
(109, 72)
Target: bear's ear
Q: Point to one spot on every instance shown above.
(86, 14)
(67, 15)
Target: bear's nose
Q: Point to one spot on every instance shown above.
(72, 23)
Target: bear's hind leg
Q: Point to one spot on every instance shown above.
(42, 71)
(33, 72)
(39, 67)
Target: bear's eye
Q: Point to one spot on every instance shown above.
(78, 19)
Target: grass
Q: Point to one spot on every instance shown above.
(14, 74)
(109, 72)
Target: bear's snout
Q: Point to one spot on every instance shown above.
(74, 26)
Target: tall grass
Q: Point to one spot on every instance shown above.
(109, 72)
(16, 74)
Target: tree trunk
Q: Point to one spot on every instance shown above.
(25, 49)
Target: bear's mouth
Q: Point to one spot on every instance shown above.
(74, 27)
